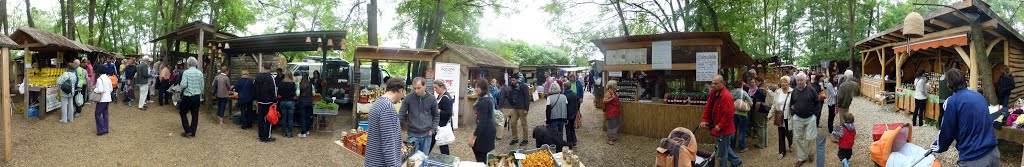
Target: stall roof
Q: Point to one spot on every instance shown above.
(946, 19)
(478, 56)
(389, 53)
(729, 47)
(574, 69)
(7, 42)
(283, 42)
(39, 40)
(190, 33)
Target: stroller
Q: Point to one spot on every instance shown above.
(680, 149)
(893, 149)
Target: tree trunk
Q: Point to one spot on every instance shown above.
(981, 58)
(63, 19)
(849, 10)
(371, 25)
(28, 14)
(435, 27)
(72, 26)
(3, 13)
(92, 16)
(622, 18)
(713, 15)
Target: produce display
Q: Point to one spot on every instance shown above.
(501, 161)
(366, 95)
(44, 77)
(540, 158)
(325, 105)
(356, 142)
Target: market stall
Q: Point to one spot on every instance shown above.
(683, 62)
(364, 95)
(892, 60)
(46, 57)
(473, 63)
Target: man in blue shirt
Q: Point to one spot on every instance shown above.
(967, 123)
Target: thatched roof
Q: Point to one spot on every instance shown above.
(40, 40)
(7, 42)
(478, 56)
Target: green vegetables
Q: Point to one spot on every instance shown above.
(324, 105)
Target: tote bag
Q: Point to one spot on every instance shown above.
(445, 135)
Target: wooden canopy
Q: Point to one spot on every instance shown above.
(283, 42)
(717, 41)
(475, 57)
(6, 42)
(191, 31)
(389, 53)
(39, 40)
(946, 38)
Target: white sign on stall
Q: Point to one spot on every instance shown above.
(707, 65)
(661, 55)
(614, 73)
(449, 73)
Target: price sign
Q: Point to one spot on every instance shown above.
(707, 65)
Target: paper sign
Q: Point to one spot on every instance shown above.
(615, 73)
(661, 55)
(707, 65)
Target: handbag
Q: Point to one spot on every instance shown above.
(779, 115)
(742, 105)
(445, 135)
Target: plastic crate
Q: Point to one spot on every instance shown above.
(440, 160)
(325, 111)
(550, 150)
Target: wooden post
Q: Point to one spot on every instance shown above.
(899, 68)
(200, 51)
(973, 82)
(6, 91)
(881, 60)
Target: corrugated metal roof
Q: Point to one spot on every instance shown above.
(478, 56)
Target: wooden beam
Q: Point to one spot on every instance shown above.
(5, 91)
(647, 67)
(963, 55)
(929, 29)
(686, 42)
(992, 44)
(899, 68)
(940, 23)
(1006, 53)
(385, 56)
(994, 33)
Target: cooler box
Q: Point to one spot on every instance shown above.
(363, 125)
(878, 129)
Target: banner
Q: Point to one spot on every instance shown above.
(449, 73)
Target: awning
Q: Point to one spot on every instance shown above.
(950, 41)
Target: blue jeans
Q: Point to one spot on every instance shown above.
(740, 141)
(422, 143)
(287, 109)
(820, 158)
(222, 104)
(725, 154)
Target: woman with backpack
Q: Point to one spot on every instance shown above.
(66, 84)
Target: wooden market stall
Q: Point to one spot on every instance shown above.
(361, 99)
(6, 44)
(684, 60)
(475, 63)
(46, 57)
(946, 44)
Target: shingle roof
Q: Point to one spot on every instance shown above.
(479, 56)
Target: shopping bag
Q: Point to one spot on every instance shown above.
(273, 115)
(445, 135)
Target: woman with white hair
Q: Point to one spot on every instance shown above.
(556, 110)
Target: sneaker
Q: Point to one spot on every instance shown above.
(78, 114)
(302, 135)
(513, 142)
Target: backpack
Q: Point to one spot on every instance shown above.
(66, 86)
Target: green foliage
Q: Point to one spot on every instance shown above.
(459, 20)
(522, 53)
(325, 105)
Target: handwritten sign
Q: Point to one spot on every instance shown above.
(707, 65)
(661, 55)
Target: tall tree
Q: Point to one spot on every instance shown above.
(849, 10)
(28, 13)
(3, 13)
(371, 26)
(92, 16)
(71, 25)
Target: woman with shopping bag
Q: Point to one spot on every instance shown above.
(445, 134)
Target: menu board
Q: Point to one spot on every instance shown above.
(707, 65)
(626, 56)
(661, 55)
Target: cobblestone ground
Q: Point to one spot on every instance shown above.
(150, 138)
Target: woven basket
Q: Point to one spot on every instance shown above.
(913, 25)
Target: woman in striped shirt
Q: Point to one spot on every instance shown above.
(384, 134)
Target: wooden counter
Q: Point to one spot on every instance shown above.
(656, 120)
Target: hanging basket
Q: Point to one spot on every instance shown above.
(913, 25)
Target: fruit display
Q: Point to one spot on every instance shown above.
(356, 142)
(540, 158)
(44, 77)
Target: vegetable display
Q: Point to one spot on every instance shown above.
(324, 105)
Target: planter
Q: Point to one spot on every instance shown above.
(325, 111)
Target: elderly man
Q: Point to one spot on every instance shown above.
(718, 115)
(142, 76)
(192, 87)
(967, 124)
(81, 75)
(804, 104)
(844, 97)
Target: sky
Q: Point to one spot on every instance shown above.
(528, 24)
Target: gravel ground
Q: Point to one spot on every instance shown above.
(150, 138)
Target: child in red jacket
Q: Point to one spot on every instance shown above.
(846, 135)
